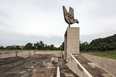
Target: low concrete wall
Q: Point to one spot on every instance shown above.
(107, 64)
(56, 53)
(76, 67)
(24, 54)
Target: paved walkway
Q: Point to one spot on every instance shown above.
(92, 68)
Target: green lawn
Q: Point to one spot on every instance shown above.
(109, 54)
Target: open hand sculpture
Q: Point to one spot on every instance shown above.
(69, 16)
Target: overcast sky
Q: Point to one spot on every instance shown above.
(23, 21)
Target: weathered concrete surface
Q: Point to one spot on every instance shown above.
(4, 61)
(55, 53)
(38, 65)
(69, 16)
(105, 63)
(25, 54)
(76, 67)
(92, 68)
(71, 42)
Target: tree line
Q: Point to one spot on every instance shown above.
(10, 48)
(41, 46)
(100, 44)
(36, 46)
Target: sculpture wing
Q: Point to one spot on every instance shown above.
(71, 12)
(65, 11)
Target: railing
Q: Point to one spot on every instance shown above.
(58, 72)
(76, 67)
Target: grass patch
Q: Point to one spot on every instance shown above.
(109, 54)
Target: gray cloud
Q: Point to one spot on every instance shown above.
(7, 38)
(23, 21)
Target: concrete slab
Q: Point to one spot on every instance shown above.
(93, 65)
(106, 75)
(29, 66)
(69, 75)
(25, 75)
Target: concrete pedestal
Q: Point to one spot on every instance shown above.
(71, 43)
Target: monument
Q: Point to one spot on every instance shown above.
(71, 36)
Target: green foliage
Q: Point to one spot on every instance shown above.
(28, 46)
(100, 44)
(40, 46)
(1, 47)
(62, 47)
(12, 48)
(84, 46)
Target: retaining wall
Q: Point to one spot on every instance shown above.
(105, 63)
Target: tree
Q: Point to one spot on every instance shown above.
(40, 45)
(45, 47)
(37, 45)
(52, 47)
(28, 46)
(48, 47)
(18, 48)
(104, 44)
(62, 46)
(84, 46)
(1, 47)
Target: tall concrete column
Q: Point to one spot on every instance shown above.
(71, 43)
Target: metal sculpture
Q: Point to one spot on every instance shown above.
(69, 16)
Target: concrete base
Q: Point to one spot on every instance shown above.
(71, 43)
